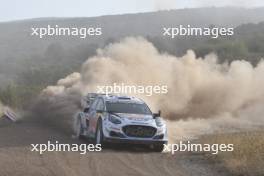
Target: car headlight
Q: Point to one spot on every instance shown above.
(159, 122)
(114, 119)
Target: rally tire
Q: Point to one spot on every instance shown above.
(79, 129)
(157, 148)
(99, 136)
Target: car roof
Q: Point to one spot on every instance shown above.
(121, 99)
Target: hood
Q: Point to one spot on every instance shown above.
(134, 117)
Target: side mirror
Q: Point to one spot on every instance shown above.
(86, 110)
(157, 114)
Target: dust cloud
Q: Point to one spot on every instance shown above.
(203, 95)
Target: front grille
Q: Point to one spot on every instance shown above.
(161, 136)
(139, 131)
(116, 134)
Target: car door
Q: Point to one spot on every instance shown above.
(98, 112)
(92, 117)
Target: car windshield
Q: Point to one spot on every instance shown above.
(129, 108)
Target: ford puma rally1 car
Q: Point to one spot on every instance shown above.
(120, 119)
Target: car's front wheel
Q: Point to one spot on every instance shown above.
(78, 128)
(157, 147)
(99, 136)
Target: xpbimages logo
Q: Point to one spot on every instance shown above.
(58, 147)
(81, 32)
(188, 146)
(123, 88)
(181, 30)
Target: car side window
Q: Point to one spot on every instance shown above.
(93, 106)
(100, 105)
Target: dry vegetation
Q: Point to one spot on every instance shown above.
(247, 159)
(1, 109)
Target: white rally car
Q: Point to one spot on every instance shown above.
(120, 119)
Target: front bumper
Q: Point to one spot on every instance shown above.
(134, 141)
(115, 134)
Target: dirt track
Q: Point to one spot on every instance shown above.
(16, 159)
